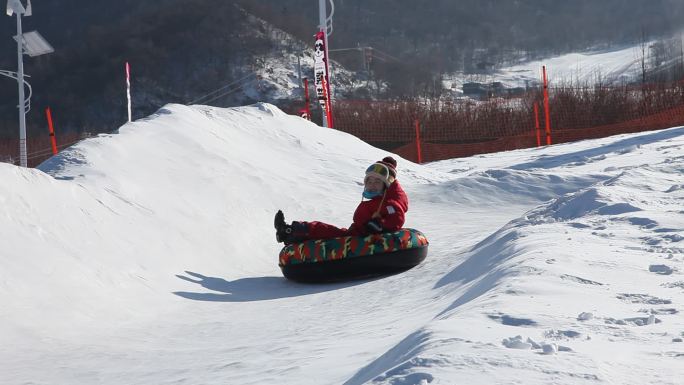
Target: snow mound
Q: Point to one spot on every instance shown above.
(148, 256)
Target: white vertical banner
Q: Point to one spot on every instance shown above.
(128, 89)
(322, 79)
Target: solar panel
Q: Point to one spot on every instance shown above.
(34, 44)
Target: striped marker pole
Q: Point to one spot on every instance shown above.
(128, 89)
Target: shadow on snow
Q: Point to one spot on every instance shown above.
(253, 288)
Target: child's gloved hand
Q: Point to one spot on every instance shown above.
(374, 227)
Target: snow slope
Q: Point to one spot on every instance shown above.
(622, 65)
(148, 257)
(607, 66)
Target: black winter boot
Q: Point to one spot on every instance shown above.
(283, 230)
(289, 234)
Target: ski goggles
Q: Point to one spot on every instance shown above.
(379, 170)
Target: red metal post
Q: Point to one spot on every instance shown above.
(546, 107)
(418, 150)
(52, 131)
(536, 123)
(328, 105)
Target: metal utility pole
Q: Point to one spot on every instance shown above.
(23, 155)
(325, 22)
(32, 44)
(16, 7)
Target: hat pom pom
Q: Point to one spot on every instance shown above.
(390, 160)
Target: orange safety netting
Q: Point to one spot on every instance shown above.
(464, 127)
(451, 129)
(39, 148)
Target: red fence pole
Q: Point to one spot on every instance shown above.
(536, 123)
(52, 131)
(546, 107)
(328, 105)
(418, 152)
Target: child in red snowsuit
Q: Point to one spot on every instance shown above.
(384, 210)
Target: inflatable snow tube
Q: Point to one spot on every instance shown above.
(353, 257)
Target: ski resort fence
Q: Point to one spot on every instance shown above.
(435, 129)
(430, 130)
(39, 147)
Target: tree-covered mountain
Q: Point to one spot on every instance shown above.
(430, 37)
(178, 49)
(182, 49)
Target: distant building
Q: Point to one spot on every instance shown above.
(516, 91)
(485, 66)
(482, 91)
(476, 90)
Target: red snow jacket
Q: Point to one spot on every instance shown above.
(392, 213)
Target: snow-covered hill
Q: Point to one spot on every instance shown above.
(615, 66)
(148, 257)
